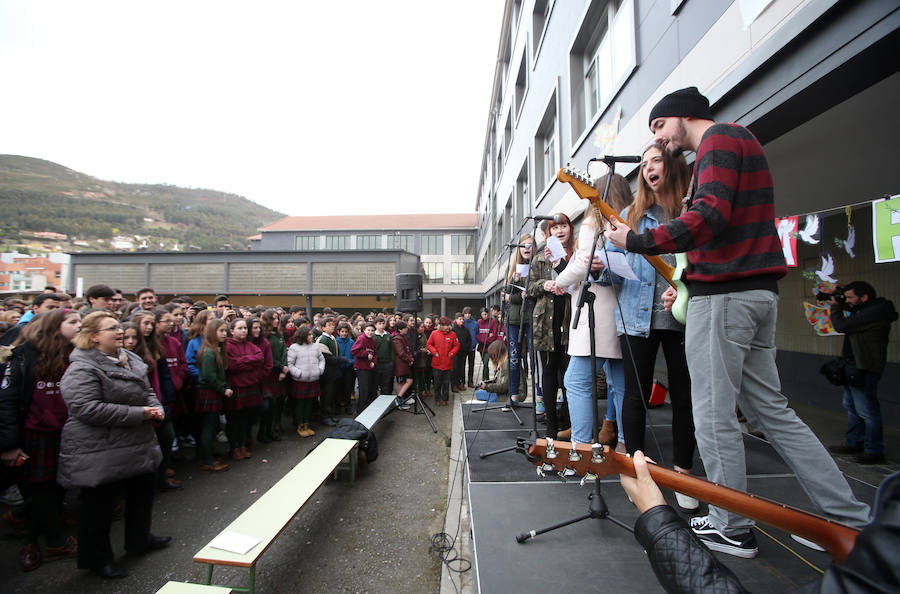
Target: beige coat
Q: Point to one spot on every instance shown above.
(606, 339)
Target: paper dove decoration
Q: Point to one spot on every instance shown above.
(809, 230)
(786, 234)
(850, 242)
(824, 273)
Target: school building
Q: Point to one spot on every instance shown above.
(815, 80)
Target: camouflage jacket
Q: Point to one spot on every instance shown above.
(542, 320)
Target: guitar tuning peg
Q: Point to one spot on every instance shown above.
(540, 471)
(551, 449)
(588, 478)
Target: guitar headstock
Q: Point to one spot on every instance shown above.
(587, 460)
(580, 181)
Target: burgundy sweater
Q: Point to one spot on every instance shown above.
(728, 230)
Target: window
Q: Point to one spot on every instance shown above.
(540, 17)
(521, 83)
(461, 245)
(400, 242)
(602, 57)
(306, 243)
(508, 218)
(461, 273)
(368, 242)
(432, 245)
(433, 272)
(546, 147)
(523, 204)
(337, 242)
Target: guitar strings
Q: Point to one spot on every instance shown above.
(792, 551)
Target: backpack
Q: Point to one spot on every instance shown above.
(352, 429)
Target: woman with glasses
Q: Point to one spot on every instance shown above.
(108, 443)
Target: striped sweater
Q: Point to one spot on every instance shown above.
(728, 230)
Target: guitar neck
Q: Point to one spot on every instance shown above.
(836, 538)
(587, 191)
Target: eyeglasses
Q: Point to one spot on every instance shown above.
(110, 329)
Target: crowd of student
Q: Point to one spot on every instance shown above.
(98, 393)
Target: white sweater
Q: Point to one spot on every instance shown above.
(305, 362)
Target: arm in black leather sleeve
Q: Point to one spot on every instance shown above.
(680, 561)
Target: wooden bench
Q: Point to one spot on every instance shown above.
(187, 588)
(270, 514)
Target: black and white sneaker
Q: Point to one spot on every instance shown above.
(739, 545)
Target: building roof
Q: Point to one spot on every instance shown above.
(465, 220)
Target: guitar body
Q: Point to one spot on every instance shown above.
(679, 308)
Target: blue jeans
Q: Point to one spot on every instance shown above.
(578, 391)
(864, 415)
(485, 396)
(516, 352)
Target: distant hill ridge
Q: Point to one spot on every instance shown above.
(38, 195)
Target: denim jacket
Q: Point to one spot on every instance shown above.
(637, 296)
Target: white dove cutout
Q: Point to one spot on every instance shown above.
(786, 226)
(850, 242)
(825, 272)
(810, 229)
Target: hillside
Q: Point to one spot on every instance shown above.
(38, 196)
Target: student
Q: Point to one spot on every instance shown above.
(245, 360)
(403, 360)
(333, 373)
(364, 361)
(443, 346)
(518, 318)
(195, 339)
(31, 427)
(177, 364)
(305, 364)
(384, 369)
(265, 371)
(273, 384)
(344, 387)
(487, 333)
(490, 390)
(458, 382)
(212, 391)
(149, 348)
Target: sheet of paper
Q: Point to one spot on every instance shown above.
(521, 288)
(557, 250)
(617, 264)
(522, 270)
(234, 542)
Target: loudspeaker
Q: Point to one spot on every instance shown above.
(409, 292)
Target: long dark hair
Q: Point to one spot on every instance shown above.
(52, 347)
(148, 348)
(211, 341)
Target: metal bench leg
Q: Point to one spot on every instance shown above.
(354, 462)
(252, 588)
(209, 570)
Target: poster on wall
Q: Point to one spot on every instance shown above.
(605, 141)
(787, 234)
(886, 229)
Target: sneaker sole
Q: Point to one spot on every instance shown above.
(730, 550)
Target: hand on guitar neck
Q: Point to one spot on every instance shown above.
(641, 488)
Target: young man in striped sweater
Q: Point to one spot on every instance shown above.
(728, 232)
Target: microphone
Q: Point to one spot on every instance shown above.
(609, 159)
(542, 218)
(518, 245)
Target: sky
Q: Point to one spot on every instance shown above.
(307, 107)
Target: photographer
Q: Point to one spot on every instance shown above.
(866, 332)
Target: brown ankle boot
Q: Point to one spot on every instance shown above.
(609, 433)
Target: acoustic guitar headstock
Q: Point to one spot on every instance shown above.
(580, 181)
(589, 461)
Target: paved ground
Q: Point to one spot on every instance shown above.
(371, 536)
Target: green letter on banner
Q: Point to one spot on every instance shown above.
(886, 229)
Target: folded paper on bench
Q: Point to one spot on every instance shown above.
(234, 542)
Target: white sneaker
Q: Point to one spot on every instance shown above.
(686, 503)
(807, 543)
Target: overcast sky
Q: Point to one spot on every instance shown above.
(307, 107)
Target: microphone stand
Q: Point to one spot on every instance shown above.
(533, 434)
(597, 508)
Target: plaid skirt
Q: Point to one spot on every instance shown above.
(244, 398)
(42, 448)
(272, 387)
(303, 390)
(207, 401)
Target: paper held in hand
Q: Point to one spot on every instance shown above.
(556, 248)
(617, 264)
(522, 270)
(234, 542)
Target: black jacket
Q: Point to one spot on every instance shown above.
(463, 336)
(866, 331)
(16, 390)
(683, 564)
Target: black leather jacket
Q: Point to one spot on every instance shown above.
(683, 564)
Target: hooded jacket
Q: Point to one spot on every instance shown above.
(245, 363)
(443, 346)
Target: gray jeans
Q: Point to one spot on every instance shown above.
(730, 345)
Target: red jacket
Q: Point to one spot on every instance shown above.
(361, 349)
(266, 368)
(442, 346)
(245, 362)
(174, 352)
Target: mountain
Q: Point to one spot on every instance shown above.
(40, 196)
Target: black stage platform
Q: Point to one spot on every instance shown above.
(507, 498)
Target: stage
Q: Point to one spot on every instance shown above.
(508, 498)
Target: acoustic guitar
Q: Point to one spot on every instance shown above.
(586, 189)
(549, 454)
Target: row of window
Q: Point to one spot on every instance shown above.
(460, 273)
(430, 244)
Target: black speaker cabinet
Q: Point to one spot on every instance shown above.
(409, 292)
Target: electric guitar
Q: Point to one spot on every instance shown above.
(586, 189)
(549, 455)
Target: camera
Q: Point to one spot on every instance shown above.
(837, 295)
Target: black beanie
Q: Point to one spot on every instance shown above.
(683, 103)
